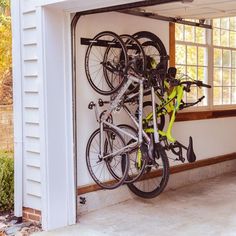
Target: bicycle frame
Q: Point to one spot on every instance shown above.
(103, 120)
(171, 104)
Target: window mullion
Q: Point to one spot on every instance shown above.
(210, 67)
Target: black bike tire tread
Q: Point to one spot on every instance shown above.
(158, 190)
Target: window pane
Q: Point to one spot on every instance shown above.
(189, 33)
(216, 23)
(217, 76)
(233, 95)
(226, 58)
(233, 77)
(202, 56)
(200, 35)
(217, 57)
(224, 38)
(192, 96)
(216, 37)
(224, 23)
(232, 23)
(233, 59)
(192, 72)
(181, 69)
(180, 54)
(232, 39)
(191, 55)
(226, 95)
(217, 94)
(179, 31)
(226, 77)
(202, 74)
(202, 92)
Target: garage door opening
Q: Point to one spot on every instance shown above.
(88, 26)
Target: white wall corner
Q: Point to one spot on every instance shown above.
(57, 162)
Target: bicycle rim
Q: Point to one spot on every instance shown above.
(100, 168)
(102, 63)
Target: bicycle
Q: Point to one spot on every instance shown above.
(114, 159)
(146, 186)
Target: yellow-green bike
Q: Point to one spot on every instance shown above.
(149, 182)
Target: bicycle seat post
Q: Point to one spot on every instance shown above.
(140, 134)
(156, 135)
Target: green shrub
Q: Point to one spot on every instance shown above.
(6, 181)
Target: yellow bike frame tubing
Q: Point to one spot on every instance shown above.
(170, 106)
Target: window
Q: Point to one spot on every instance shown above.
(224, 53)
(210, 56)
(192, 58)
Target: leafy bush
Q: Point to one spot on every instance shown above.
(6, 181)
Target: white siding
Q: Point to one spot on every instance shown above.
(31, 111)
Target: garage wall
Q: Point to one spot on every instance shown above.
(213, 137)
(209, 135)
(89, 26)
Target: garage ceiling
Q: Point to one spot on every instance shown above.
(197, 9)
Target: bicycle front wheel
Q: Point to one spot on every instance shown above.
(104, 65)
(102, 168)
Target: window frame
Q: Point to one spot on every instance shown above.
(202, 112)
(221, 106)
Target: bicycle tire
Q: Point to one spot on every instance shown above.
(105, 180)
(144, 36)
(138, 68)
(157, 63)
(97, 64)
(144, 187)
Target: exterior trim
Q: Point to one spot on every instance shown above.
(57, 145)
(172, 44)
(17, 107)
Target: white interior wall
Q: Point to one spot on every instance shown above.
(89, 26)
(211, 137)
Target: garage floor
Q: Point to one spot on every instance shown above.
(206, 208)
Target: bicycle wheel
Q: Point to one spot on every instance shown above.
(103, 62)
(135, 169)
(145, 36)
(155, 177)
(136, 60)
(147, 110)
(102, 169)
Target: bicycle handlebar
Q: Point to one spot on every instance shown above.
(199, 83)
(188, 83)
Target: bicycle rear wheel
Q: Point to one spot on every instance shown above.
(103, 62)
(147, 110)
(102, 169)
(145, 36)
(155, 177)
